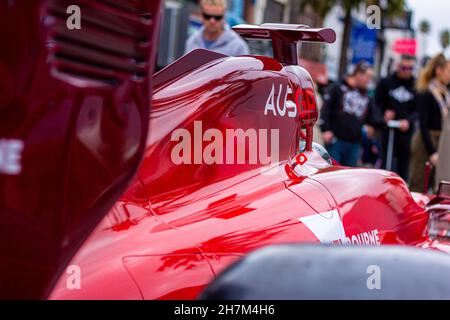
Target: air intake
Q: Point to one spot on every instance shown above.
(112, 45)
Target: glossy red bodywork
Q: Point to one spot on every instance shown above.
(79, 107)
(178, 226)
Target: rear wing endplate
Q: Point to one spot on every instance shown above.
(285, 38)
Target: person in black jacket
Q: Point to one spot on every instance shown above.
(433, 103)
(395, 97)
(347, 107)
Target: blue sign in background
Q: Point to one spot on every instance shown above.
(363, 43)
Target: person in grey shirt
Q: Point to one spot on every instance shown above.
(215, 34)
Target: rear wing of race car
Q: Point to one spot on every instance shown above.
(285, 38)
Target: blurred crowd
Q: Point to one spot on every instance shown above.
(403, 127)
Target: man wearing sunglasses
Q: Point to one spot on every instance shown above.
(395, 96)
(215, 34)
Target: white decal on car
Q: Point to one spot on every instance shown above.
(277, 107)
(328, 228)
(11, 156)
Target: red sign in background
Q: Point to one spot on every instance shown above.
(405, 46)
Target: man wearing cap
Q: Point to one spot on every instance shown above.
(347, 108)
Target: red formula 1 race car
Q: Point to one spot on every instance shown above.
(228, 164)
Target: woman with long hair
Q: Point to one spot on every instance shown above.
(433, 103)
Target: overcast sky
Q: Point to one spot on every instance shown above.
(437, 12)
